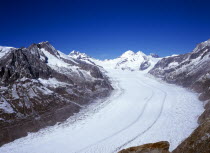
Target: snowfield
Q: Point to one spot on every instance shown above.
(140, 110)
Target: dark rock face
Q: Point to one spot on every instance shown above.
(154, 55)
(158, 147)
(21, 63)
(144, 65)
(206, 114)
(40, 86)
(191, 70)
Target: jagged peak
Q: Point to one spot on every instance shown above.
(44, 42)
(77, 54)
(202, 45)
(154, 55)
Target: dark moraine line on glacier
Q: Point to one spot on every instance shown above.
(140, 134)
(125, 128)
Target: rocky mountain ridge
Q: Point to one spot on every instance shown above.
(40, 86)
(191, 70)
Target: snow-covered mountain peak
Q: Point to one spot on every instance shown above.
(82, 57)
(140, 53)
(48, 47)
(127, 54)
(129, 61)
(4, 50)
(202, 45)
(78, 55)
(132, 55)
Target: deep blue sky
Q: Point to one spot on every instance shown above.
(105, 29)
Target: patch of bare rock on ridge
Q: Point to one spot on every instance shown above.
(158, 147)
(40, 86)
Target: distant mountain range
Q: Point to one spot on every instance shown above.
(127, 61)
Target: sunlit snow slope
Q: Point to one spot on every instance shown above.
(140, 110)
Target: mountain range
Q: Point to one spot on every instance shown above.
(40, 86)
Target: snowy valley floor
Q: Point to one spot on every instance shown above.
(141, 110)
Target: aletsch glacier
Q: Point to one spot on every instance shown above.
(141, 109)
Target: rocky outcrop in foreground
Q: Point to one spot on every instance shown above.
(159, 147)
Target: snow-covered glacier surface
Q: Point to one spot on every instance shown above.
(140, 110)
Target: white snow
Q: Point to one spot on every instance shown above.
(5, 106)
(173, 64)
(14, 92)
(140, 110)
(128, 54)
(202, 45)
(78, 55)
(4, 50)
(81, 56)
(66, 57)
(52, 82)
(54, 61)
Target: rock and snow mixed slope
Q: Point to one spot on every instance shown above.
(191, 70)
(40, 86)
(140, 110)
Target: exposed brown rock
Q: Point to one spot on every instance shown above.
(158, 147)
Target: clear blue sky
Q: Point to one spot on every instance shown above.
(106, 28)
